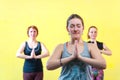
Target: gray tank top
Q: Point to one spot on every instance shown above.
(76, 69)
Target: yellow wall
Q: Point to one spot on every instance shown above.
(50, 17)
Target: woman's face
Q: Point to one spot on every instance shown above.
(33, 33)
(75, 28)
(93, 33)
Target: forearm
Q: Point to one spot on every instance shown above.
(106, 52)
(100, 64)
(67, 59)
(54, 64)
(41, 56)
(23, 56)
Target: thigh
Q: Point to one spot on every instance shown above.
(100, 75)
(28, 76)
(39, 76)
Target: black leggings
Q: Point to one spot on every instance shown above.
(33, 76)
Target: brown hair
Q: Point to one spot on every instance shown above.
(75, 16)
(32, 26)
(89, 30)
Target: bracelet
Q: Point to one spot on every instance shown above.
(60, 63)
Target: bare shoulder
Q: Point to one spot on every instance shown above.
(23, 44)
(21, 48)
(42, 44)
(60, 46)
(104, 46)
(57, 51)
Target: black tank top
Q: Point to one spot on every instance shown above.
(32, 65)
(99, 44)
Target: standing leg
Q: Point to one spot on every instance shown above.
(39, 76)
(100, 75)
(28, 76)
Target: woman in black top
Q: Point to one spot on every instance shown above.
(92, 34)
(33, 68)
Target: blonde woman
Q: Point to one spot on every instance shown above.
(98, 74)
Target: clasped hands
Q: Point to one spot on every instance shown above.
(32, 55)
(76, 54)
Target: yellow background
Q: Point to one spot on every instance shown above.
(50, 17)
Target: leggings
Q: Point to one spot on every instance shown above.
(98, 74)
(33, 76)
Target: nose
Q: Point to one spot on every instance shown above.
(75, 28)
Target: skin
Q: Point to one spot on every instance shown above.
(93, 35)
(32, 42)
(75, 47)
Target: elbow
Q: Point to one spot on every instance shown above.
(17, 55)
(103, 66)
(110, 53)
(49, 67)
(47, 54)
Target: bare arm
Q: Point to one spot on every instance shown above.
(54, 60)
(106, 50)
(20, 51)
(45, 52)
(97, 60)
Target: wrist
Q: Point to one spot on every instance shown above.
(101, 51)
(61, 64)
(28, 57)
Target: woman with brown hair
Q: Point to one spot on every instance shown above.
(33, 51)
(75, 56)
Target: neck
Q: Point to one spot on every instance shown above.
(32, 40)
(92, 40)
(74, 40)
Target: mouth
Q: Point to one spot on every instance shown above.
(76, 33)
